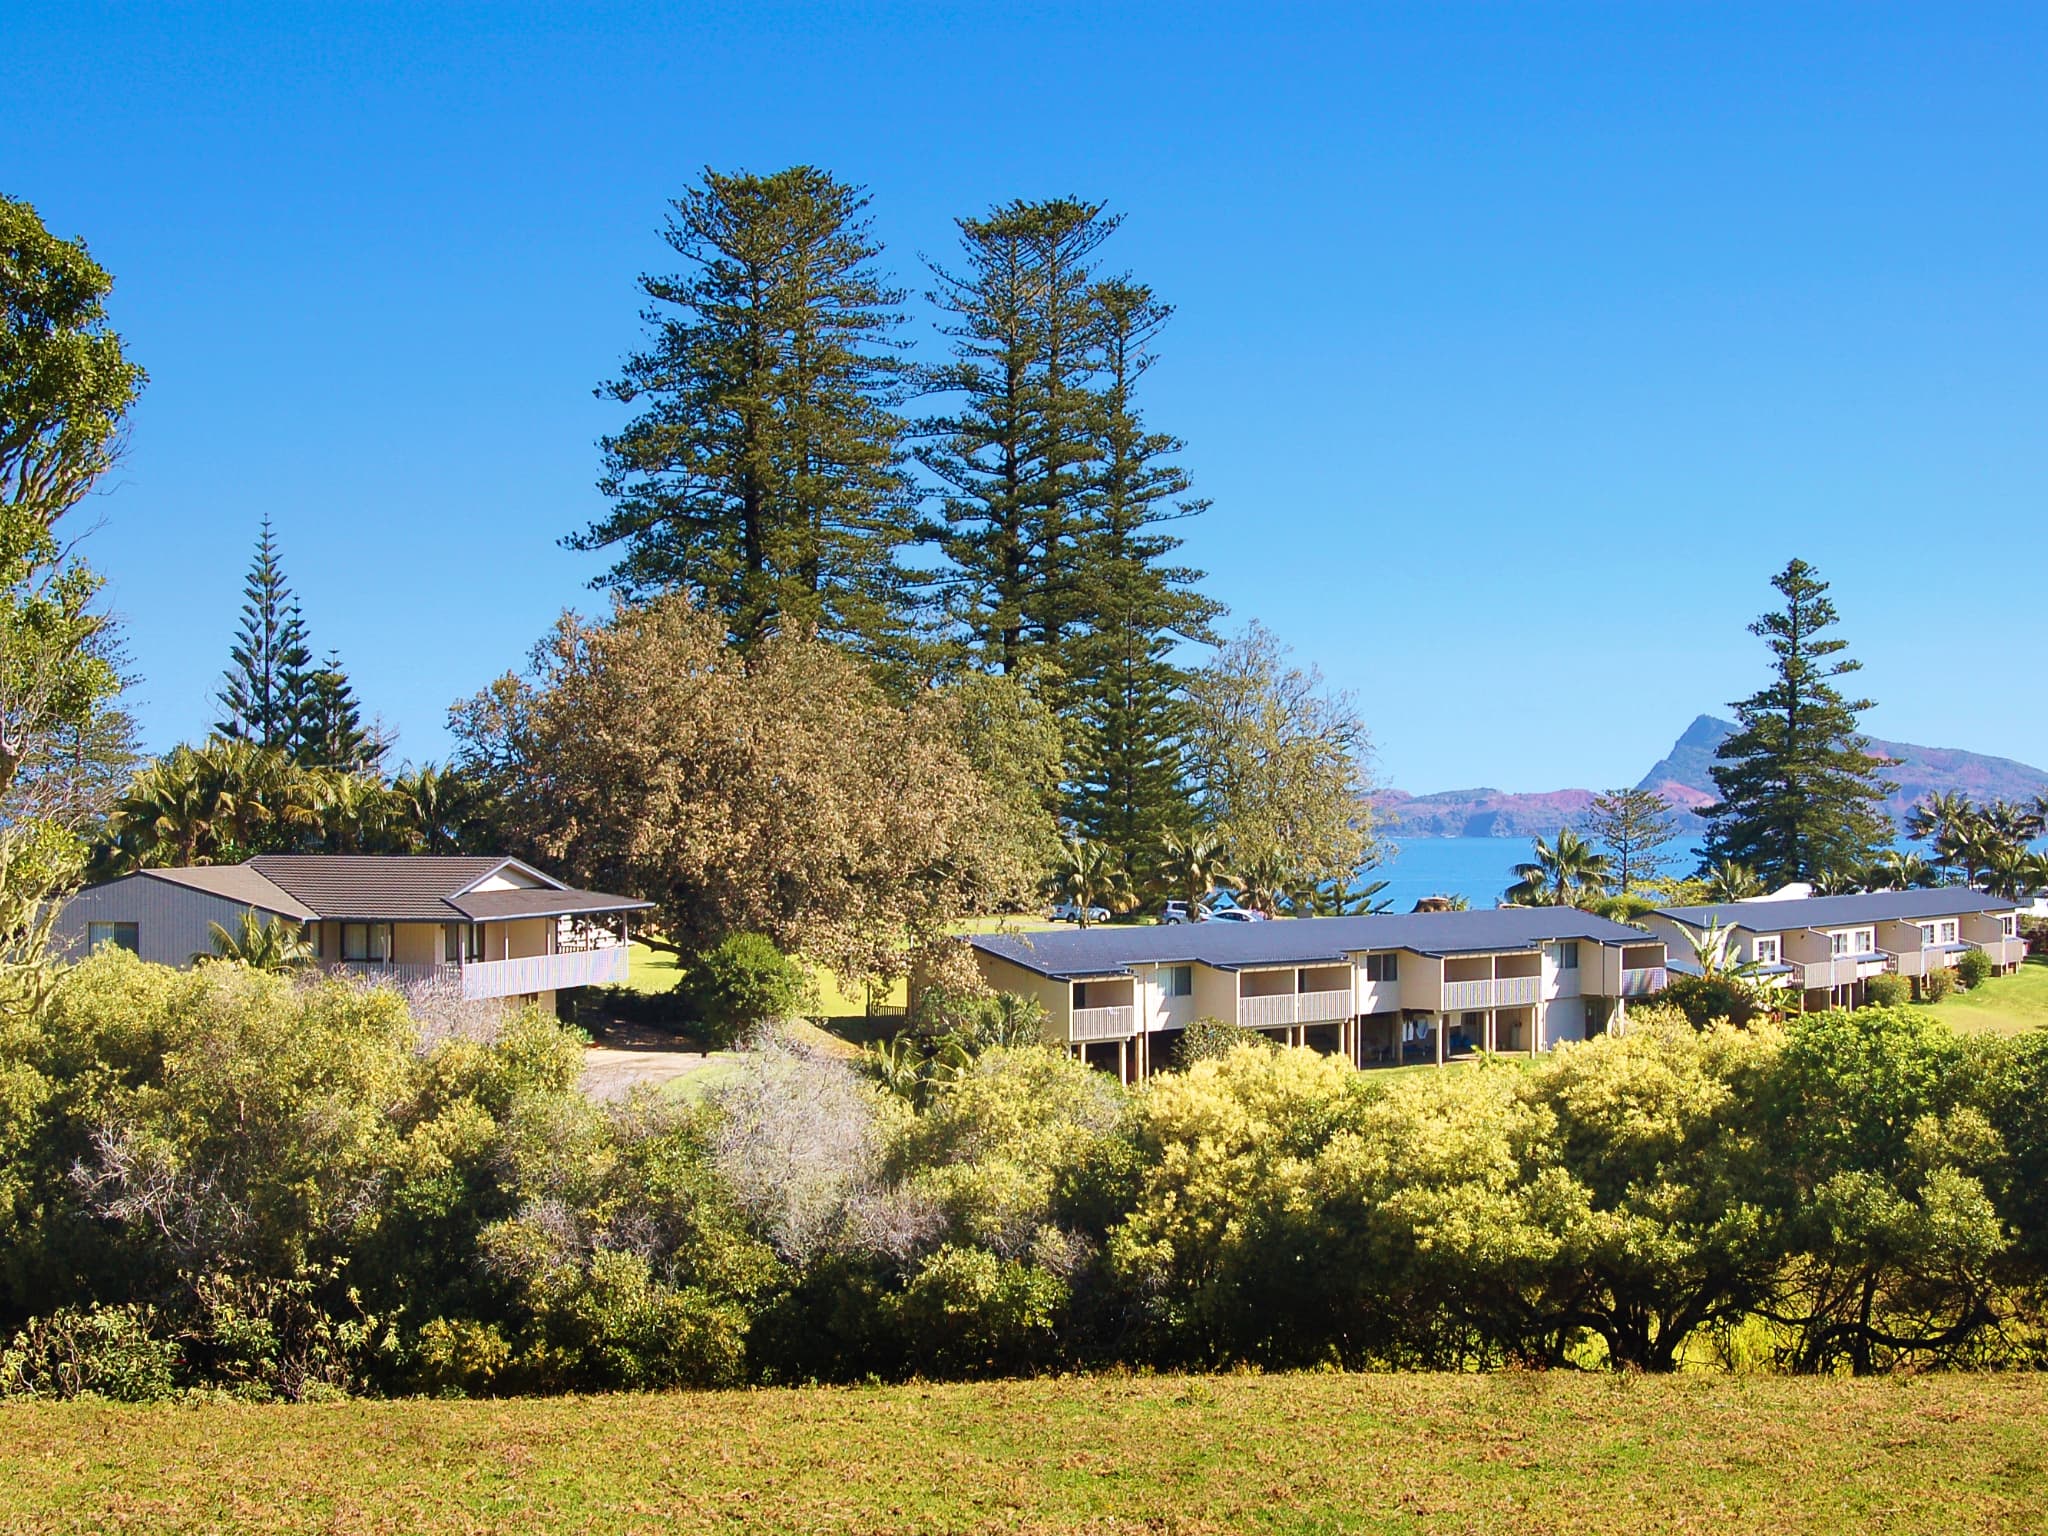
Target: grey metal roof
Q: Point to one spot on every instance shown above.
(497, 905)
(1299, 941)
(237, 882)
(1838, 911)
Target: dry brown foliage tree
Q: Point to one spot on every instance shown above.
(780, 792)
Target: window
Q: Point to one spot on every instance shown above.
(127, 936)
(1948, 933)
(364, 941)
(1766, 951)
(1565, 956)
(2010, 925)
(1177, 981)
(1838, 943)
(1382, 967)
(1927, 933)
(1865, 940)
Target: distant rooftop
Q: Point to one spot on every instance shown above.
(1298, 941)
(1836, 911)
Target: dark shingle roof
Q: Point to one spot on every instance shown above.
(384, 887)
(238, 883)
(1299, 941)
(496, 905)
(1836, 911)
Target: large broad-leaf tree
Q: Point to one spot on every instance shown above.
(66, 386)
(776, 790)
(1800, 791)
(1280, 766)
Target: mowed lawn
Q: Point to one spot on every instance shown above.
(1303, 1453)
(654, 970)
(2005, 1005)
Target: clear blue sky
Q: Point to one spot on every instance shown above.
(1517, 344)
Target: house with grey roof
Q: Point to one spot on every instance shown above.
(1379, 990)
(491, 927)
(1827, 948)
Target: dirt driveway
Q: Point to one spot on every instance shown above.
(624, 1057)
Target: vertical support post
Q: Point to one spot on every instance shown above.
(1443, 1028)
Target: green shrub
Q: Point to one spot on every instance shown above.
(969, 1313)
(980, 1018)
(1973, 968)
(741, 981)
(460, 1358)
(1887, 992)
(111, 1352)
(1705, 1000)
(1209, 1039)
(1937, 984)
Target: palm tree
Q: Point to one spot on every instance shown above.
(1088, 874)
(1194, 865)
(1938, 816)
(428, 803)
(1730, 881)
(1893, 870)
(1838, 882)
(275, 945)
(1562, 874)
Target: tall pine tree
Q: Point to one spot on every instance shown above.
(765, 472)
(331, 732)
(1799, 788)
(268, 684)
(1127, 785)
(1016, 457)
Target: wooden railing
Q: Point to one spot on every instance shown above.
(1103, 1023)
(1513, 991)
(544, 973)
(497, 978)
(1642, 981)
(1460, 995)
(1281, 1009)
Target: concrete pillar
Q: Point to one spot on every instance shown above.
(1493, 1029)
(1443, 1029)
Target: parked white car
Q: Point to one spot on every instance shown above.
(1070, 912)
(1236, 915)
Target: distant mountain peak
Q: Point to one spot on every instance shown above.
(1684, 776)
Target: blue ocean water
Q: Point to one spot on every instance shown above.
(1477, 868)
(1481, 868)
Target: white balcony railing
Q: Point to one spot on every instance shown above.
(1281, 1009)
(498, 978)
(544, 973)
(1467, 994)
(1512, 991)
(1642, 981)
(1103, 1023)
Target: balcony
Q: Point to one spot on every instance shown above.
(1460, 996)
(1514, 991)
(1643, 980)
(1288, 1008)
(480, 979)
(1118, 1023)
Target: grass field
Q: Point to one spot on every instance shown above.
(1305, 1453)
(2006, 1005)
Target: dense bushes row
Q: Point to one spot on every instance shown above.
(219, 1180)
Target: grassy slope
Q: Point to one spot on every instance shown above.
(655, 971)
(1307, 1453)
(2007, 1005)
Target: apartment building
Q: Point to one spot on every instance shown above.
(1826, 948)
(485, 926)
(1379, 990)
